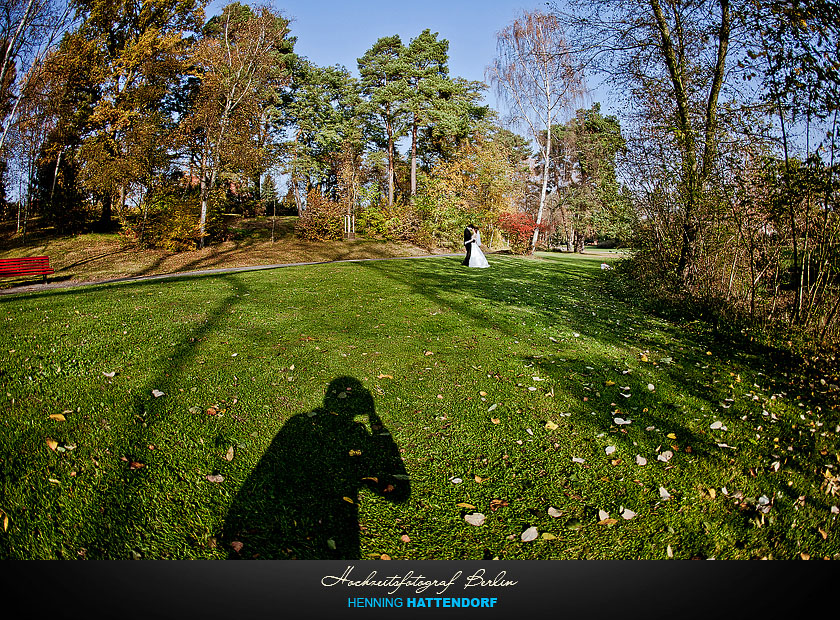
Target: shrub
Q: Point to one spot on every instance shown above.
(519, 229)
(322, 220)
(169, 221)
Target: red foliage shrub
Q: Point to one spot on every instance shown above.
(518, 228)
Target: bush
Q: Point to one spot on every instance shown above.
(171, 222)
(322, 220)
(519, 229)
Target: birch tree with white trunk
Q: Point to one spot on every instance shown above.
(539, 79)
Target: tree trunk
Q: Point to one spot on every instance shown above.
(414, 158)
(547, 156)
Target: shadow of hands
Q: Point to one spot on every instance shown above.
(301, 501)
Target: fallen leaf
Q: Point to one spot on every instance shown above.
(804, 556)
(384, 556)
(669, 552)
(492, 407)
(455, 480)
(58, 417)
(603, 514)
(607, 521)
(475, 518)
(548, 536)
(229, 454)
(495, 420)
(348, 500)
(628, 514)
(215, 478)
(236, 546)
(157, 393)
(137, 465)
(479, 479)
(495, 504)
(465, 505)
(665, 456)
(608, 383)
(110, 375)
(384, 376)
(671, 436)
(663, 493)
(355, 453)
(529, 534)
(551, 426)
(52, 444)
(609, 450)
(577, 459)
(640, 460)
(5, 523)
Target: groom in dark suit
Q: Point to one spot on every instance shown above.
(468, 233)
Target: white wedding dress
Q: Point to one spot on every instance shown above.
(477, 258)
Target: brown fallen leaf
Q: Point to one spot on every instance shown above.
(52, 444)
(495, 504)
(607, 521)
(135, 465)
(384, 556)
(405, 538)
(479, 479)
(236, 546)
(465, 505)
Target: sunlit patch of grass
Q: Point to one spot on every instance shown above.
(499, 390)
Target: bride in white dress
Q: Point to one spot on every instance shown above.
(477, 258)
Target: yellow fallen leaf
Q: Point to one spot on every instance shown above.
(479, 479)
(371, 478)
(52, 444)
(548, 536)
(495, 420)
(384, 556)
(551, 425)
(384, 376)
(607, 521)
(671, 436)
(644, 357)
(5, 523)
(53, 480)
(482, 393)
(348, 500)
(465, 505)
(609, 383)
(57, 416)
(355, 452)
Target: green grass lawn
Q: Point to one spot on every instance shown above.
(210, 417)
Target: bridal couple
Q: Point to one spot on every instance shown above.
(472, 242)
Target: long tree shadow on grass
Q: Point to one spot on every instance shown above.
(301, 500)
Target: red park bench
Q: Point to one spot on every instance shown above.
(27, 266)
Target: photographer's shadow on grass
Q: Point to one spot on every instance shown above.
(301, 500)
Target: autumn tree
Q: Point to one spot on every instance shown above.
(241, 57)
(537, 75)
